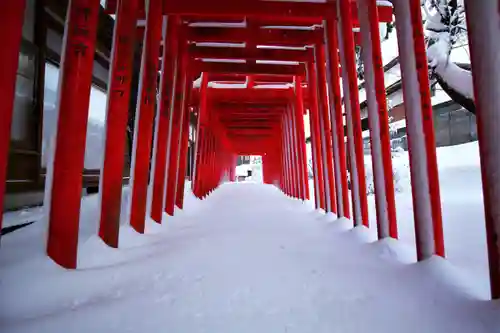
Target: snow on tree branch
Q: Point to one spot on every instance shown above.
(444, 25)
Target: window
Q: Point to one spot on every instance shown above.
(94, 147)
(23, 134)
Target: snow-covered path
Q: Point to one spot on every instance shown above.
(247, 259)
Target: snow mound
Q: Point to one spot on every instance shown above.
(248, 260)
(462, 210)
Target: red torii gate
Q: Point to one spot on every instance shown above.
(277, 134)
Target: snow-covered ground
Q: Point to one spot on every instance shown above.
(462, 209)
(247, 259)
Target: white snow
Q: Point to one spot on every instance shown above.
(462, 210)
(389, 45)
(247, 259)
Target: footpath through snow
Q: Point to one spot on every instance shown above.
(247, 259)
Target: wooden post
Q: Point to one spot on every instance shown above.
(200, 135)
(324, 118)
(111, 178)
(483, 30)
(164, 118)
(63, 185)
(351, 100)
(12, 18)
(143, 129)
(417, 106)
(337, 119)
(299, 114)
(378, 120)
(183, 145)
(315, 136)
(175, 133)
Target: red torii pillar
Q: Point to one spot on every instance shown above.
(207, 170)
(278, 164)
(324, 118)
(12, 16)
(297, 151)
(181, 174)
(200, 136)
(63, 186)
(299, 117)
(164, 118)
(317, 160)
(337, 119)
(378, 120)
(213, 165)
(181, 84)
(483, 30)
(266, 179)
(428, 126)
(205, 178)
(284, 163)
(351, 100)
(288, 146)
(298, 154)
(144, 118)
(201, 143)
(281, 175)
(288, 152)
(288, 155)
(423, 165)
(218, 158)
(111, 178)
(227, 155)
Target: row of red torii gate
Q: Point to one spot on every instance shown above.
(293, 58)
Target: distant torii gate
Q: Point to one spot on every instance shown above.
(305, 49)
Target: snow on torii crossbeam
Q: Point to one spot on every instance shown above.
(258, 118)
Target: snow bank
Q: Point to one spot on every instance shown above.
(462, 209)
(250, 260)
(24, 244)
(461, 204)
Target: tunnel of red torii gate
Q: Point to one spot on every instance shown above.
(249, 71)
